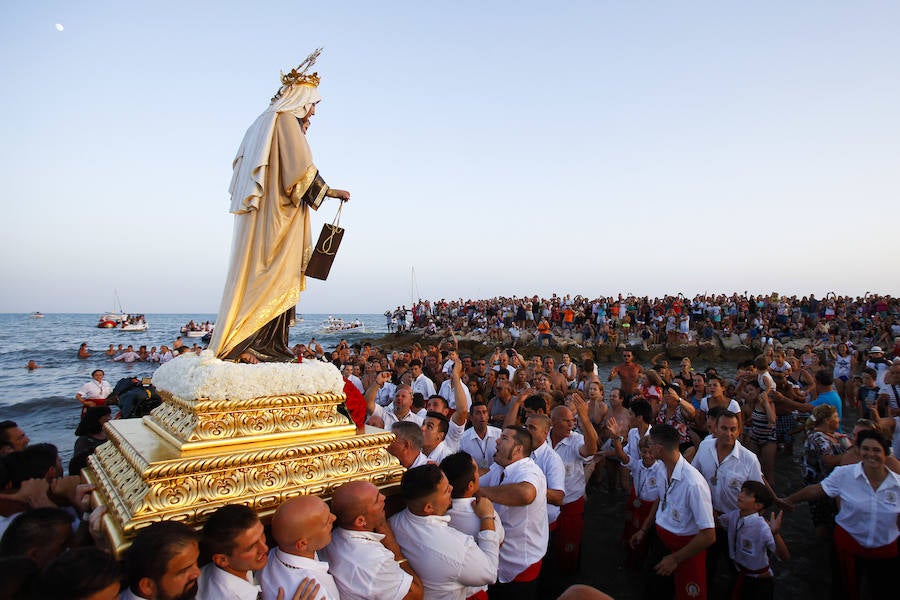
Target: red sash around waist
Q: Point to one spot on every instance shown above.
(529, 574)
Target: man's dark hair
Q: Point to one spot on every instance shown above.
(824, 377)
(443, 421)
(90, 420)
(5, 427)
(415, 363)
(642, 409)
(522, 437)
(666, 436)
(460, 471)
(868, 371)
(223, 526)
(36, 528)
(869, 434)
(443, 400)
(409, 431)
(726, 414)
(31, 463)
(503, 370)
(77, 574)
(152, 549)
(95, 371)
(420, 482)
(536, 403)
(715, 412)
(479, 403)
(759, 491)
(418, 401)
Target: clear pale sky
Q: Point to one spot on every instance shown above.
(498, 148)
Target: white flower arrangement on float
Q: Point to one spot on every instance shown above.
(192, 376)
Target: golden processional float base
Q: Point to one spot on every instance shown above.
(189, 457)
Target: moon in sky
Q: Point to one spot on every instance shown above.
(59, 27)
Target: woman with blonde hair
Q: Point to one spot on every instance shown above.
(822, 452)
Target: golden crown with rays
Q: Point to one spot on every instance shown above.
(299, 75)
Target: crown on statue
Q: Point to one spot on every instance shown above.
(299, 75)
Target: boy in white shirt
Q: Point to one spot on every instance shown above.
(750, 540)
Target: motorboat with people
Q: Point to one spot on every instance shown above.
(338, 324)
(37, 315)
(114, 319)
(134, 323)
(197, 330)
(124, 322)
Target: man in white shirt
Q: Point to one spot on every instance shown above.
(448, 391)
(301, 526)
(420, 382)
(684, 518)
(363, 555)
(234, 538)
(129, 356)
(399, 410)
(480, 440)
(434, 432)
(448, 561)
(538, 425)
(441, 434)
(503, 363)
(518, 489)
(641, 416)
(161, 563)
(165, 355)
(385, 388)
(95, 391)
(462, 473)
(407, 444)
(576, 451)
(726, 465)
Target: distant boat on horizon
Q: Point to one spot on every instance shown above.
(36, 315)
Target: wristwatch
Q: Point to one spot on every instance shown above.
(620, 438)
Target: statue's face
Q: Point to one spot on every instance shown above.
(304, 122)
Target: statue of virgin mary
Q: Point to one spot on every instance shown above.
(274, 185)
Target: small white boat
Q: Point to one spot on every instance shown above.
(133, 323)
(197, 330)
(338, 324)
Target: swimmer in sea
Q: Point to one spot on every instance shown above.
(31, 366)
(83, 351)
(110, 351)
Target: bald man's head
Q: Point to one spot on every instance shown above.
(358, 505)
(302, 525)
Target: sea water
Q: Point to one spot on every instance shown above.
(43, 401)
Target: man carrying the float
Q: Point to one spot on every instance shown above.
(274, 184)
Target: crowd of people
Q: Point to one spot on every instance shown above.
(502, 451)
(755, 319)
